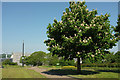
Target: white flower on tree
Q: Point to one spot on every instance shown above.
(78, 52)
(67, 37)
(82, 24)
(90, 25)
(89, 37)
(74, 34)
(92, 55)
(79, 30)
(52, 39)
(60, 21)
(80, 40)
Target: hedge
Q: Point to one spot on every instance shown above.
(102, 65)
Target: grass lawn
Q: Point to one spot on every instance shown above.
(100, 75)
(88, 72)
(0, 73)
(47, 67)
(98, 72)
(19, 72)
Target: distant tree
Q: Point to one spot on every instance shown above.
(35, 59)
(8, 62)
(109, 58)
(52, 60)
(80, 33)
(63, 62)
(117, 57)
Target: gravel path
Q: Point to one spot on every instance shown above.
(49, 74)
(42, 70)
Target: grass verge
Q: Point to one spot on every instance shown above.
(19, 72)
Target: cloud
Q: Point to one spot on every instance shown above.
(115, 48)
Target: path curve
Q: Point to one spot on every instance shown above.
(41, 70)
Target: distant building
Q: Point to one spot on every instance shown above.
(5, 57)
(16, 57)
(2, 59)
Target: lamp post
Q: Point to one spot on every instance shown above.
(23, 55)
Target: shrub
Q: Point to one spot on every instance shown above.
(101, 65)
(8, 62)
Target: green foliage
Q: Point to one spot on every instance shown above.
(80, 33)
(41, 58)
(117, 57)
(52, 59)
(109, 58)
(23, 59)
(36, 58)
(66, 62)
(8, 62)
(102, 65)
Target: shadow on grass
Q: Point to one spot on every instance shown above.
(62, 72)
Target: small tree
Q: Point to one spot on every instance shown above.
(80, 33)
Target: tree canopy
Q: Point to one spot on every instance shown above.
(35, 59)
(80, 33)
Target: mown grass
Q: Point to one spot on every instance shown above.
(57, 67)
(19, 72)
(87, 72)
(0, 73)
(98, 72)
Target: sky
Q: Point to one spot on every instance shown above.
(58, 0)
(28, 21)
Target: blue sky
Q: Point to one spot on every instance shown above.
(28, 21)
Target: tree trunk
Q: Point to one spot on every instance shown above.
(78, 65)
